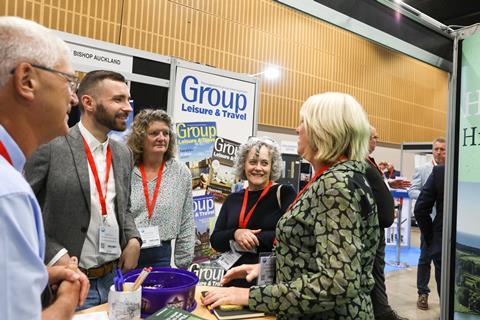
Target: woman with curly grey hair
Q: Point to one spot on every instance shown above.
(161, 193)
(248, 218)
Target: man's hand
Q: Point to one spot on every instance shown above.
(247, 238)
(399, 183)
(245, 271)
(69, 290)
(129, 258)
(59, 274)
(68, 294)
(63, 261)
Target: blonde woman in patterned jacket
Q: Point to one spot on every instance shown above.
(326, 241)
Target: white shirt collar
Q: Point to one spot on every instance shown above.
(92, 142)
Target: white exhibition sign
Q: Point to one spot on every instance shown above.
(288, 147)
(214, 112)
(202, 96)
(100, 59)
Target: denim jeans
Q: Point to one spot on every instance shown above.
(156, 256)
(98, 293)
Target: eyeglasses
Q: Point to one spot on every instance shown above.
(73, 80)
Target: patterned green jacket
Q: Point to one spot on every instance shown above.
(325, 250)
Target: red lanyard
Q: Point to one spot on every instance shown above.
(243, 221)
(376, 166)
(151, 205)
(4, 153)
(315, 177)
(93, 167)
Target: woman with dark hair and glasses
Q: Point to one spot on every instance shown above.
(161, 194)
(248, 218)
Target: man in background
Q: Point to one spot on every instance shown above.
(385, 208)
(391, 172)
(82, 181)
(419, 179)
(432, 229)
(37, 87)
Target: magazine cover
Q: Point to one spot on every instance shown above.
(204, 215)
(222, 174)
(208, 273)
(195, 141)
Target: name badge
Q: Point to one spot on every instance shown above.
(150, 236)
(109, 240)
(228, 259)
(267, 268)
(234, 246)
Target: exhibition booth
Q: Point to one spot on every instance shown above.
(215, 110)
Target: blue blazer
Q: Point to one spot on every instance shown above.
(430, 196)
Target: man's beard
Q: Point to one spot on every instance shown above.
(107, 120)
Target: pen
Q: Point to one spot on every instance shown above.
(116, 282)
(120, 280)
(143, 275)
(209, 308)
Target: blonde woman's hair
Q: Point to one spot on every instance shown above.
(336, 125)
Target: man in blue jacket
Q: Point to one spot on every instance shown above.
(419, 179)
(431, 229)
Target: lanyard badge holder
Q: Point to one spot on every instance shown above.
(150, 235)
(267, 272)
(228, 259)
(109, 239)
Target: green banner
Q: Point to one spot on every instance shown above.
(467, 255)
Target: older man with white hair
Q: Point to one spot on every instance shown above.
(37, 90)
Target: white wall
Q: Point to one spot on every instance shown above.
(392, 155)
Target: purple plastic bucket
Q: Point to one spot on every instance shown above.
(166, 287)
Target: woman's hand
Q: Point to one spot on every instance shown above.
(247, 238)
(245, 271)
(231, 295)
(129, 258)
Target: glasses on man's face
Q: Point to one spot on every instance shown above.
(73, 80)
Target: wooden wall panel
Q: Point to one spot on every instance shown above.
(405, 99)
